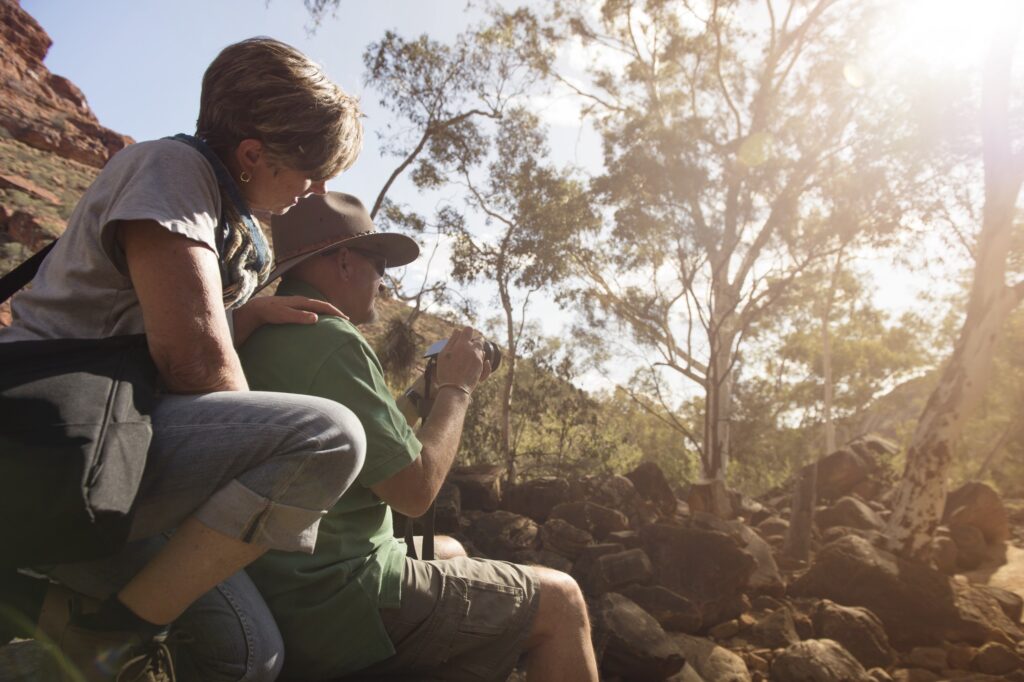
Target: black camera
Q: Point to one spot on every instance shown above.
(491, 352)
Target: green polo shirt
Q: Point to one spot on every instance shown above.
(326, 603)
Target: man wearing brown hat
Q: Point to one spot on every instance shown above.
(358, 603)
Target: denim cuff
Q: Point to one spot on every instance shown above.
(240, 513)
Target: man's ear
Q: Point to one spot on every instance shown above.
(343, 263)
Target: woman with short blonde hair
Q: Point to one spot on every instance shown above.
(164, 242)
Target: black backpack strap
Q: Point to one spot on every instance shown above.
(427, 520)
(23, 274)
(428, 533)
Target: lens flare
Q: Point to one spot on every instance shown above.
(941, 34)
(854, 75)
(756, 149)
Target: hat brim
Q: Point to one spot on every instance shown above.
(397, 249)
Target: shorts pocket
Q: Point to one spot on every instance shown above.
(435, 639)
(491, 606)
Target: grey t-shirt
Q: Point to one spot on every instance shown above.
(82, 289)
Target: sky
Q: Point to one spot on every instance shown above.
(140, 62)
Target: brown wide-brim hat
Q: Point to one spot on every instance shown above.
(321, 222)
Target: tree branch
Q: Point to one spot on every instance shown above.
(718, 70)
(430, 129)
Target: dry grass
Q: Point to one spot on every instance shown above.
(67, 179)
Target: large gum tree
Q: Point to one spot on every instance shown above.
(921, 494)
(738, 142)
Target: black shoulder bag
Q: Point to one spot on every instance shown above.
(74, 432)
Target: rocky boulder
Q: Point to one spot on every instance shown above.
(618, 493)
(536, 498)
(776, 630)
(818, 660)
(596, 519)
(710, 661)
(1011, 603)
(916, 603)
(707, 567)
(612, 571)
(636, 647)
(588, 557)
(971, 548)
(479, 486)
(997, 659)
(447, 509)
(673, 611)
(849, 512)
(765, 578)
(944, 554)
(561, 537)
(977, 504)
(841, 471)
(857, 630)
(650, 483)
(773, 526)
(501, 534)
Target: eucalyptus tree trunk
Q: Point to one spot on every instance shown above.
(922, 492)
(826, 357)
(718, 412)
(719, 381)
(507, 451)
(805, 481)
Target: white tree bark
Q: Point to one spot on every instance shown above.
(922, 492)
(826, 354)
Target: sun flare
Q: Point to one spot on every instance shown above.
(944, 34)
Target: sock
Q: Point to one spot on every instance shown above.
(21, 600)
(114, 615)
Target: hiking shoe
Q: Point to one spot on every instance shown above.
(99, 655)
(59, 604)
(114, 656)
(152, 663)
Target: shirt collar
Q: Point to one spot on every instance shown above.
(296, 287)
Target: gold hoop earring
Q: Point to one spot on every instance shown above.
(244, 176)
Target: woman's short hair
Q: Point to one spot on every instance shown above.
(264, 89)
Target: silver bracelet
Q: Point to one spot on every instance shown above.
(457, 386)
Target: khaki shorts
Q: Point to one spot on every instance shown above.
(460, 619)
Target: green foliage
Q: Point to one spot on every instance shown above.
(539, 212)
(562, 430)
(737, 156)
(738, 160)
(779, 420)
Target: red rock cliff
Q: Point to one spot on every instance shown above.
(51, 145)
(41, 109)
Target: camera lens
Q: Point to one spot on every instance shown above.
(493, 355)
(491, 352)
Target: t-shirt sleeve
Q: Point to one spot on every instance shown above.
(168, 182)
(352, 376)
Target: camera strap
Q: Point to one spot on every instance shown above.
(427, 520)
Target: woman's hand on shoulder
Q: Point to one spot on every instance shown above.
(262, 310)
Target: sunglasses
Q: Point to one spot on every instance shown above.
(379, 262)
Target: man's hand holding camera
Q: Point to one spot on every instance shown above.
(462, 364)
(459, 363)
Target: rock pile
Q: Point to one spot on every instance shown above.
(694, 591)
